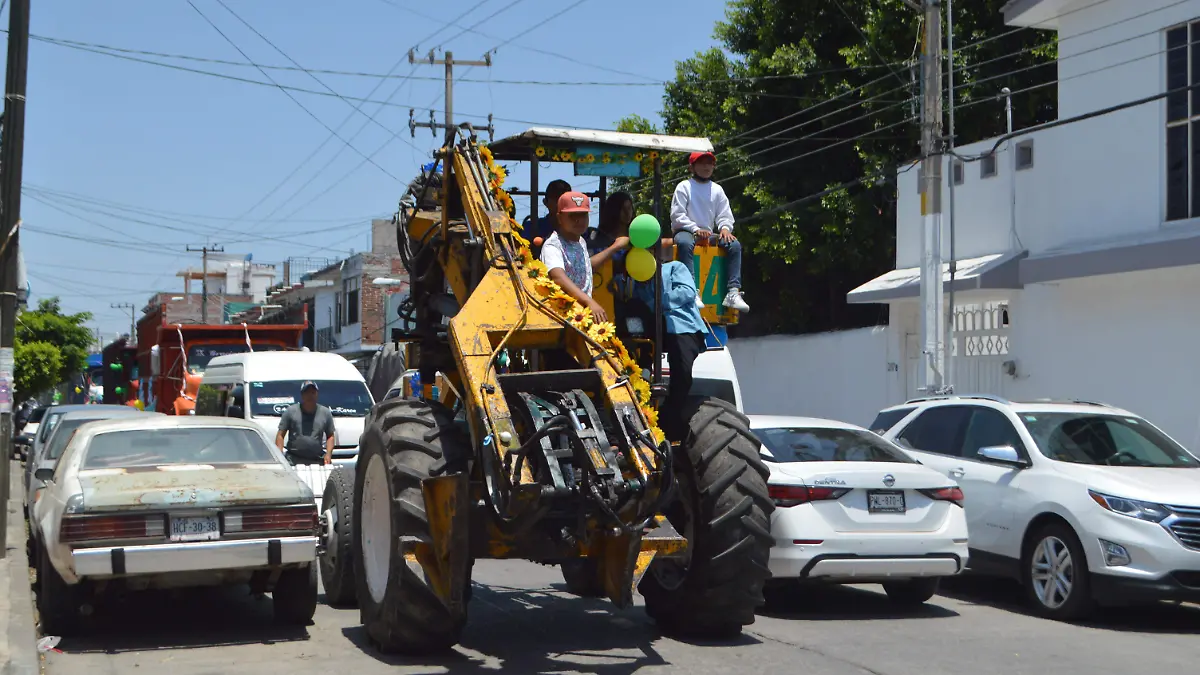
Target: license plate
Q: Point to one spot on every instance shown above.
(882, 501)
(195, 528)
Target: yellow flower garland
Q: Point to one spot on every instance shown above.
(567, 307)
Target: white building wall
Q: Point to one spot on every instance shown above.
(1124, 339)
(324, 309)
(844, 375)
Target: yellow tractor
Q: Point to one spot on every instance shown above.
(515, 460)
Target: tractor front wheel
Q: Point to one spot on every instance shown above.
(406, 441)
(723, 508)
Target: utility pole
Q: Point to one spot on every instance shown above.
(933, 344)
(132, 316)
(12, 154)
(204, 251)
(449, 62)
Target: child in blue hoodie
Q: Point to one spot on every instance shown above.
(684, 338)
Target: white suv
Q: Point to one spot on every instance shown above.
(1082, 502)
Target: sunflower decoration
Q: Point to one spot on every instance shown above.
(588, 158)
(629, 367)
(540, 151)
(653, 155)
(606, 158)
(637, 156)
(486, 153)
(642, 388)
(580, 317)
(536, 270)
(651, 415)
(559, 300)
(602, 332)
(566, 156)
(524, 255)
(547, 285)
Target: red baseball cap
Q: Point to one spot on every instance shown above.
(574, 202)
(697, 156)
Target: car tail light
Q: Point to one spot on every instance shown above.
(948, 494)
(287, 519)
(793, 495)
(95, 528)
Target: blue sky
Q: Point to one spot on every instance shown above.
(177, 158)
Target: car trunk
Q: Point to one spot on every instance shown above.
(869, 503)
(198, 486)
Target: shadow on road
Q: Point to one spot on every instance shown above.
(829, 602)
(544, 631)
(201, 617)
(1008, 595)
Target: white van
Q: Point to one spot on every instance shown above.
(259, 386)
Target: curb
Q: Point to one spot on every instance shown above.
(21, 638)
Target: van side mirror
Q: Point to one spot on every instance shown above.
(44, 474)
(1002, 454)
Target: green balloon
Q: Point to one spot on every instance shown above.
(644, 231)
(114, 366)
(120, 390)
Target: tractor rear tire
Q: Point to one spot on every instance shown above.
(723, 508)
(406, 441)
(337, 564)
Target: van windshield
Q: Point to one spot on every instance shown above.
(344, 398)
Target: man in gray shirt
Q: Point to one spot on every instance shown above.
(304, 424)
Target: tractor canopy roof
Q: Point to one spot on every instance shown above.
(552, 142)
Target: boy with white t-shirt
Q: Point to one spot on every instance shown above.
(565, 253)
(700, 210)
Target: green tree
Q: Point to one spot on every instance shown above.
(49, 348)
(802, 96)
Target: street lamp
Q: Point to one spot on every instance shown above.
(385, 281)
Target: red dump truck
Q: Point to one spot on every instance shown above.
(173, 354)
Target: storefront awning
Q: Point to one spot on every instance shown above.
(995, 271)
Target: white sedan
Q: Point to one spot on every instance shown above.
(854, 508)
(168, 502)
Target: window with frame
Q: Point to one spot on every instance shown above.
(938, 430)
(987, 166)
(350, 291)
(1183, 122)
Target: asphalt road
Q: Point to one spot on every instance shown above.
(522, 621)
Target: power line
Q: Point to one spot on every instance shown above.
(178, 216)
(385, 144)
(867, 42)
(338, 154)
(289, 94)
(646, 82)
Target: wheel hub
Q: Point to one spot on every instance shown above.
(1052, 572)
(376, 524)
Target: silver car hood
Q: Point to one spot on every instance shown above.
(199, 486)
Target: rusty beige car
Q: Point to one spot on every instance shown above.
(172, 502)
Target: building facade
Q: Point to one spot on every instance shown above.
(1077, 245)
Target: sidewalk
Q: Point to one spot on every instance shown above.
(18, 641)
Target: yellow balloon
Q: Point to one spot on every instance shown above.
(78, 390)
(640, 264)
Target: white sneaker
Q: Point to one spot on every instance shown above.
(699, 303)
(733, 300)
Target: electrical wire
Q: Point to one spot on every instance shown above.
(293, 98)
(298, 191)
(384, 146)
(177, 216)
(866, 41)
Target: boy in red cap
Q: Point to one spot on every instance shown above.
(700, 209)
(565, 253)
